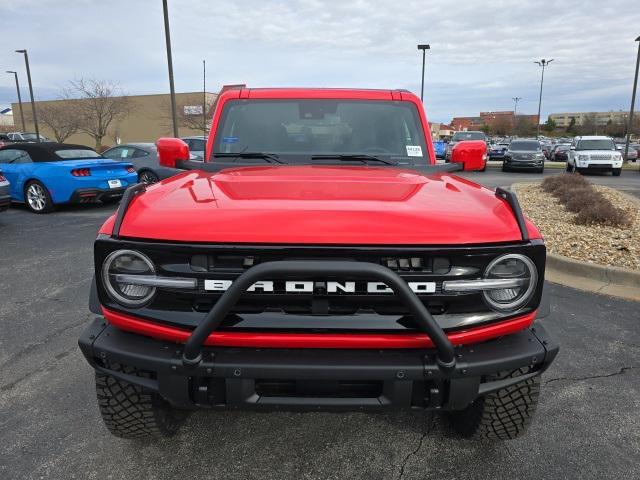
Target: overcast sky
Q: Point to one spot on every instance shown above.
(481, 55)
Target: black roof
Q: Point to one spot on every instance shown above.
(44, 151)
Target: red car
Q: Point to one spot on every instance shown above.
(318, 259)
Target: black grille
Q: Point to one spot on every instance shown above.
(317, 310)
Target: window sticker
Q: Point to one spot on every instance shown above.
(124, 152)
(230, 139)
(414, 150)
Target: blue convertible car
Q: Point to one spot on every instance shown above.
(45, 174)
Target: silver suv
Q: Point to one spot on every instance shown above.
(595, 154)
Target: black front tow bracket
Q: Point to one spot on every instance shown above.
(304, 269)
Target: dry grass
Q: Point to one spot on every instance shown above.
(599, 243)
(579, 196)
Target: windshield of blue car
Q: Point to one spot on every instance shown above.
(461, 136)
(299, 131)
(72, 154)
(527, 146)
(599, 144)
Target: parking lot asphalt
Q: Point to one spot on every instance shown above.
(587, 424)
(628, 181)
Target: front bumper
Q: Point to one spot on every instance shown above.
(316, 379)
(524, 164)
(91, 195)
(599, 167)
(5, 202)
(5, 195)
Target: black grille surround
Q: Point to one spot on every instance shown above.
(358, 312)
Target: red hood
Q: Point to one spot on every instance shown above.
(320, 205)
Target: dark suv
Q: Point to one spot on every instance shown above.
(524, 155)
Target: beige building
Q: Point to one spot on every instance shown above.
(440, 131)
(601, 118)
(149, 118)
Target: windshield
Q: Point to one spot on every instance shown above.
(296, 130)
(600, 144)
(527, 146)
(460, 136)
(68, 154)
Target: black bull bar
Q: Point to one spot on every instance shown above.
(296, 269)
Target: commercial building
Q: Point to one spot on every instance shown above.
(492, 120)
(148, 117)
(563, 120)
(6, 119)
(440, 131)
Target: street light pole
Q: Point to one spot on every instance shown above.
(167, 37)
(424, 48)
(633, 101)
(33, 103)
(543, 63)
(204, 98)
(15, 74)
(515, 105)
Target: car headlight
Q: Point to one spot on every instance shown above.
(539, 156)
(522, 273)
(117, 270)
(583, 157)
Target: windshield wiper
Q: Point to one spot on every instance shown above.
(363, 157)
(269, 157)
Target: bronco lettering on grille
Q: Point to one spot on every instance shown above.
(296, 286)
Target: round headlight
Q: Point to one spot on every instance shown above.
(511, 266)
(123, 264)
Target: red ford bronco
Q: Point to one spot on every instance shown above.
(318, 259)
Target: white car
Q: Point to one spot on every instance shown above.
(595, 154)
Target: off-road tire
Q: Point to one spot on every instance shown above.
(501, 415)
(616, 172)
(128, 411)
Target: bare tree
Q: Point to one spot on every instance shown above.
(60, 117)
(189, 115)
(102, 103)
(524, 127)
(589, 125)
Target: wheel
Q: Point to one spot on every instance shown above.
(540, 170)
(616, 172)
(128, 411)
(501, 415)
(484, 167)
(148, 177)
(504, 167)
(568, 167)
(37, 197)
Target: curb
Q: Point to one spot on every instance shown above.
(608, 280)
(613, 281)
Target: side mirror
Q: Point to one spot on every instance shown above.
(171, 151)
(472, 154)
